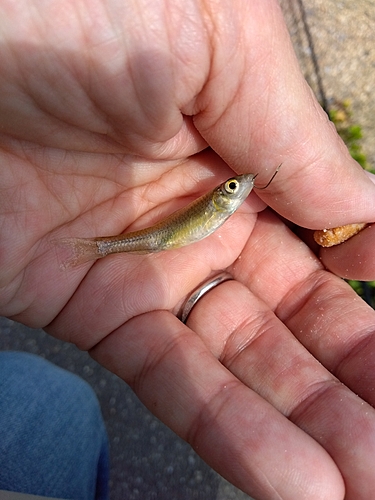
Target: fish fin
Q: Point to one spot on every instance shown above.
(82, 250)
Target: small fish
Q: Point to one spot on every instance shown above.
(192, 223)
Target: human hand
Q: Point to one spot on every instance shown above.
(106, 111)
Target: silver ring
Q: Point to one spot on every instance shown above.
(199, 292)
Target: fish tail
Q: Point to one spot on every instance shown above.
(82, 250)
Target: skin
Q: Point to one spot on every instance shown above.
(106, 111)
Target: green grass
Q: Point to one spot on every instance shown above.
(351, 133)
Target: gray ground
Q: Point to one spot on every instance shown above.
(148, 460)
(343, 34)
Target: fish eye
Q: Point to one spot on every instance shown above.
(231, 186)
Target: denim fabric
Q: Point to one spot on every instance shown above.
(52, 435)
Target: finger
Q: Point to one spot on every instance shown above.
(353, 259)
(230, 426)
(279, 121)
(260, 351)
(321, 310)
(274, 261)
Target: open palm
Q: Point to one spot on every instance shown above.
(105, 127)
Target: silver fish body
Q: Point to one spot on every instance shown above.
(192, 223)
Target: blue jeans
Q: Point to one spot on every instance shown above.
(52, 436)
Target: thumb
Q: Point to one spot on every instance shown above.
(257, 112)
